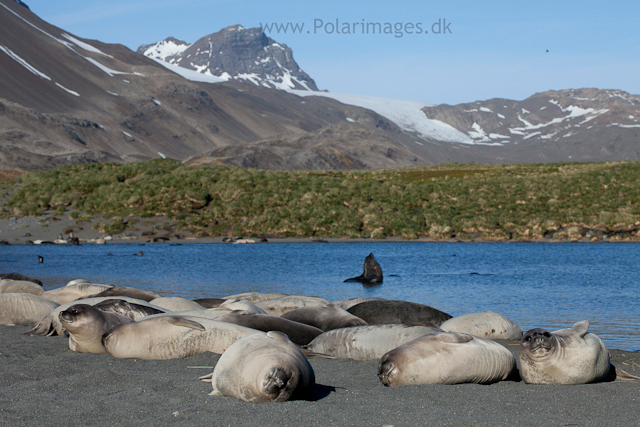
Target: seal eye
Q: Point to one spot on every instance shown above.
(527, 338)
(74, 311)
(547, 334)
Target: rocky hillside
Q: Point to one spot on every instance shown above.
(68, 100)
(236, 53)
(583, 124)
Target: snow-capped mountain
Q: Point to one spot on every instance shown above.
(565, 116)
(237, 53)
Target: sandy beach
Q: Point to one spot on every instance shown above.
(44, 383)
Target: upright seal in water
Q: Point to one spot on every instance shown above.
(567, 356)
(263, 368)
(371, 273)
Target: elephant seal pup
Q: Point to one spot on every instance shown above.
(24, 309)
(298, 333)
(127, 308)
(279, 306)
(366, 342)
(255, 296)
(125, 291)
(20, 287)
(209, 302)
(240, 304)
(73, 290)
(86, 326)
(489, 325)
(371, 272)
(348, 303)
(171, 337)
(18, 276)
(50, 324)
(446, 358)
(263, 368)
(567, 356)
(326, 317)
(398, 312)
(176, 303)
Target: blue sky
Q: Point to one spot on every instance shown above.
(493, 49)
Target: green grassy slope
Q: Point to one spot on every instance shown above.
(465, 201)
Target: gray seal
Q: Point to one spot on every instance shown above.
(371, 272)
(566, 356)
(366, 342)
(398, 312)
(24, 308)
(164, 336)
(446, 358)
(263, 368)
(125, 291)
(487, 324)
(326, 317)
(86, 326)
(298, 333)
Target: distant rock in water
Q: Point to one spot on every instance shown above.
(371, 273)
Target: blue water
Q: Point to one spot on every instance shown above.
(534, 284)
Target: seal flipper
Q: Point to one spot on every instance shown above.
(581, 328)
(621, 375)
(183, 321)
(44, 328)
(454, 337)
(206, 378)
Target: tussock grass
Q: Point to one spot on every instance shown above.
(466, 201)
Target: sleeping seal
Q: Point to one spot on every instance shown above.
(263, 368)
(50, 323)
(298, 333)
(24, 309)
(366, 342)
(446, 358)
(326, 317)
(489, 325)
(86, 326)
(371, 272)
(398, 312)
(176, 303)
(73, 290)
(279, 306)
(20, 287)
(125, 291)
(164, 336)
(567, 356)
(241, 304)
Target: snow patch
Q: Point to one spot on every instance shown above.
(192, 75)
(164, 49)
(68, 90)
(486, 110)
(408, 115)
(104, 68)
(22, 62)
(162, 155)
(83, 45)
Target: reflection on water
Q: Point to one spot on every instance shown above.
(534, 284)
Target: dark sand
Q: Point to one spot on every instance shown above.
(43, 383)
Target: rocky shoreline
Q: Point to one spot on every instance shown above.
(50, 229)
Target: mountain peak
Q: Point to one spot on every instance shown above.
(22, 3)
(236, 52)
